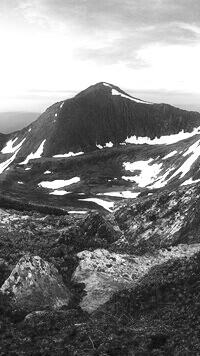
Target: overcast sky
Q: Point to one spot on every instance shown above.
(51, 49)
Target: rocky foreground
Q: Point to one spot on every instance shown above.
(108, 284)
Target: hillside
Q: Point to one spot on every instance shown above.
(127, 295)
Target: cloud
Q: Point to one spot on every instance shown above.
(113, 31)
(113, 14)
(63, 42)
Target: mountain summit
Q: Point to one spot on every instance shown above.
(103, 88)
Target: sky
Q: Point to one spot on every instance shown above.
(52, 49)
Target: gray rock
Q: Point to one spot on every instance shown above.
(105, 273)
(35, 283)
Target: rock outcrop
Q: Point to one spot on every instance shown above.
(34, 284)
(105, 273)
(160, 220)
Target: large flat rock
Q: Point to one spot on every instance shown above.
(35, 283)
(105, 273)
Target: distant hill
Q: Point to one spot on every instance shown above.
(13, 121)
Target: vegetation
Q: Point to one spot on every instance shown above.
(160, 316)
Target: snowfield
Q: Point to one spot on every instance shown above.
(108, 205)
(163, 140)
(77, 211)
(9, 146)
(123, 194)
(59, 192)
(47, 172)
(69, 154)
(35, 155)
(147, 175)
(171, 154)
(194, 152)
(5, 164)
(190, 181)
(107, 145)
(116, 92)
(58, 183)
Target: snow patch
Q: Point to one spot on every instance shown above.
(47, 172)
(108, 205)
(171, 154)
(128, 178)
(109, 144)
(5, 164)
(35, 155)
(194, 151)
(163, 140)
(107, 85)
(161, 182)
(123, 194)
(69, 154)
(59, 192)
(77, 211)
(148, 172)
(27, 169)
(29, 130)
(190, 181)
(99, 146)
(58, 183)
(20, 182)
(62, 105)
(116, 92)
(9, 146)
(56, 115)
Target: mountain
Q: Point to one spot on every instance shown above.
(101, 114)
(99, 147)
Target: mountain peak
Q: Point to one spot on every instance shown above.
(98, 87)
(102, 87)
(108, 89)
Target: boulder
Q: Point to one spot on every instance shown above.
(35, 284)
(159, 221)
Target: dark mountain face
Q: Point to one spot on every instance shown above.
(100, 114)
(103, 114)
